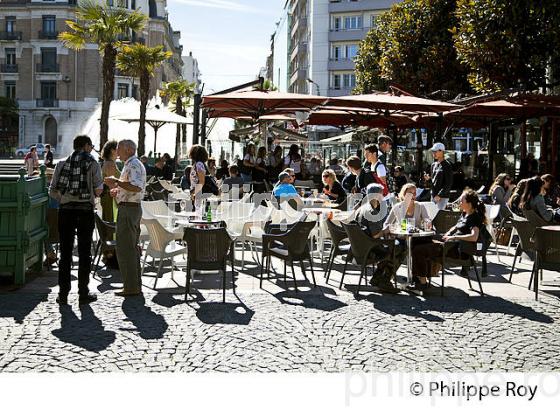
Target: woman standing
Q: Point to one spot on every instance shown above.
(293, 160)
(249, 162)
(109, 169)
(259, 171)
(198, 156)
(275, 163)
(470, 229)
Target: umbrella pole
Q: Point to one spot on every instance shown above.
(155, 139)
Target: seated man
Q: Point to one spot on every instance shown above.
(371, 217)
(284, 187)
(234, 182)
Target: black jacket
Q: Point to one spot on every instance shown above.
(442, 178)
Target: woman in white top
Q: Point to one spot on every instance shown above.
(249, 162)
(293, 160)
(408, 208)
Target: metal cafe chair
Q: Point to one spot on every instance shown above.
(547, 244)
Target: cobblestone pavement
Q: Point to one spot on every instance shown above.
(282, 332)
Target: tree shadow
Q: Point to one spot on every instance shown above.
(19, 305)
(87, 332)
(147, 323)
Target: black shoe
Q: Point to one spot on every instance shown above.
(90, 297)
(418, 287)
(62, 299)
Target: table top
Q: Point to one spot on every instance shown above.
(418, 234)
(324, 210)
(555, 228)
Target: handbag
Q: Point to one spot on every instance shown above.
(503, 235)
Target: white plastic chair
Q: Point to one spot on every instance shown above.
(160, 211)
(162, 246)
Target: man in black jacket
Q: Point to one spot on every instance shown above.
(441, 176)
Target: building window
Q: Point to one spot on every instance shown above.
(10, 90)
(336, 81)
(10, 56)
(351, 51)
(48, 90)
(353, 22)
(336, 23)
(373, 21)
(10, 24)
(48, 59)
(49, 24)
(336, 53)
(122, 90)
(348, 81)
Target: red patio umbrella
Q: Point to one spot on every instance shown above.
(395, 103)
(255, 104)
(508, 108)
(353, 117)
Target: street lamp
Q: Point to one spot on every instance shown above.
(309, 80)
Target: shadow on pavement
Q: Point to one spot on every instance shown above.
(87, 332)
(455, 301)
(149, 324)
(18, 306)
(213, 313)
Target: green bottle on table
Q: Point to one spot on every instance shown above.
(403, 225)
(209, 214)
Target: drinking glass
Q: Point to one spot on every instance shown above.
(410, 224)
(315, 193)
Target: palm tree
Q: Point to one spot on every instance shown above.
(102, 25)
(141, 61)
(180, 91)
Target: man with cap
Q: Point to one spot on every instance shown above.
(441, 176)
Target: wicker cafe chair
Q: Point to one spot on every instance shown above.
(290, 244)
(469, 250)
(547, 244)
(208, 250)
(339, 246)
(362, 247)
(106, 241)
(525, 231)
(445, 220)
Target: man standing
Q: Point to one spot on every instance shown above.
(75, 184)
(384, 143)
(129, 191)
(441, 176)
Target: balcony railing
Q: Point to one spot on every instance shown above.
(48, 35)
(48, 68)
(10, 35)
(47, 103)
(128, 39)
(9, 68)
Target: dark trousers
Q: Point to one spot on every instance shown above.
(71, 222)
(422, 255)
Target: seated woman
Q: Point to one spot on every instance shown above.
(515, 197)
(501, 191)
(333, 189)
(471, 227)
(408, 208)
(533, 199)
(551, 191)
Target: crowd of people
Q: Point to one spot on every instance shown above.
(78, 180)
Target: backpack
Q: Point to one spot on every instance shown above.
(379, 180)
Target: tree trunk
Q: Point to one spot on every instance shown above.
(144, 94)
(179, 111)
(109, 57)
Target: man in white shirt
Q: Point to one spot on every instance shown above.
(129, 191)
(376, 166)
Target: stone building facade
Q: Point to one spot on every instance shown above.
(58, 89)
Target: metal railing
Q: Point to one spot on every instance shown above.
(9, 68)
(47, 103)
(48, 35)
(10, 35)
(48, 68)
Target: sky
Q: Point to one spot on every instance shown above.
(229, 38)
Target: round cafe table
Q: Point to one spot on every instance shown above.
(408, 236)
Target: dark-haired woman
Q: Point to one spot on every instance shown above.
(109, 169)
(501, 191)
(293, 160)
(198, 156)
(551, 191)
(533, 200)
(471, 228)
(259, 171)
